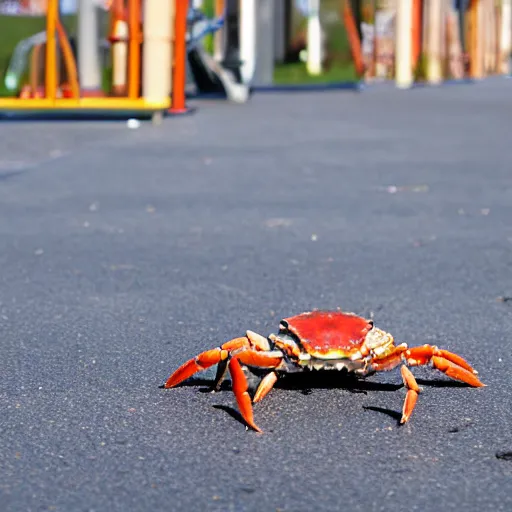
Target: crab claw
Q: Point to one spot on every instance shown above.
(204, 361)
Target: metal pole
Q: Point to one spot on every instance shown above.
(247, 39)
(403, 53)
(264, 72)
(88, 57)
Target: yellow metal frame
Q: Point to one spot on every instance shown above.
(133, 102)
(82, 103)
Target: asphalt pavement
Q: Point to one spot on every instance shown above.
(123, 253)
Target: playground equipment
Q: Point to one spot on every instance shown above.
(429, 41)
(407, 41)
(148, 61)
(451, 40)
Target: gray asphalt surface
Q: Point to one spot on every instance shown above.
(126, 252)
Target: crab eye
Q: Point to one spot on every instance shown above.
(370, 322)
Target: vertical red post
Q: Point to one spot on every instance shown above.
(353, 38)
(180, 56)
(417, 10)
(134, 48)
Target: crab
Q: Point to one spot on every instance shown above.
(320, 340)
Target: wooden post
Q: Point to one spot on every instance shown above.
(403, 38)
(476, 39)
(434, 61)
(493, 34)
(156, 51)
(505, 37)
(52, 14)
(487, 36)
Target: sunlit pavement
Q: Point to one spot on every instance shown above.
(125, 252)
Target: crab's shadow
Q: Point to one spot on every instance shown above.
(308, 381)
(305, 383)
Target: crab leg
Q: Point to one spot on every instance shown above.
(218, 356)
(205, 360)
(266, 384)
(241, 394)
(239, 382)
(412, 393)
(422, 355)
(456, 372)
(451, 364)
(256, 341)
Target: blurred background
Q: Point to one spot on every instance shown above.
(249, 43)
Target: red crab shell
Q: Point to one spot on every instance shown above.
(328, 334)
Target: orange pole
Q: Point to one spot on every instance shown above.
(417, 8)
(353, 37)
(34, 67)
(52, 14)
(219, 7)
(117, 11)
(69, 60)
(134, 48)
(180, 57)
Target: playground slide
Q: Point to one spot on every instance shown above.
(210, 77)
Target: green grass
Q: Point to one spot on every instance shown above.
(209, 10)
(340, 67)
(12, 30)
(296, 73)
(15, 28)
